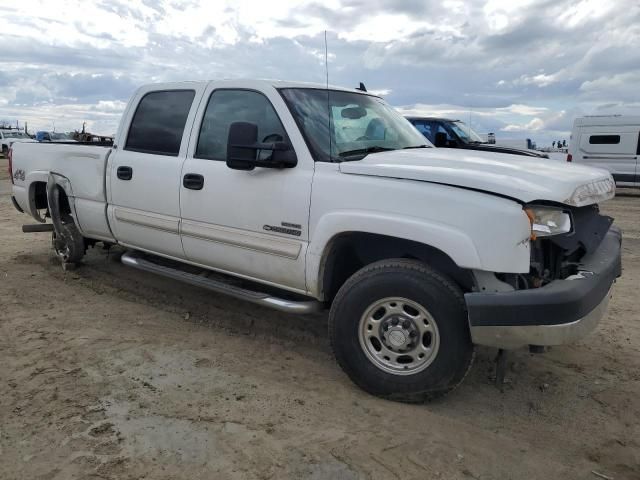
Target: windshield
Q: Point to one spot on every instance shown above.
(359, 124)
(465, 133)
(14, 135)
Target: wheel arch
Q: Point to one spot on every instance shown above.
(422, 235)
(348, 252)
(36, 189)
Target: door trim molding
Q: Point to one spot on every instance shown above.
(148, 219)
(260, 242)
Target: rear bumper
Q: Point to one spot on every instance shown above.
(561, 312)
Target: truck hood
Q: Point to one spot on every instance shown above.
(526, 179)
(492, 147)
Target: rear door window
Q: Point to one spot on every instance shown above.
(159, 122)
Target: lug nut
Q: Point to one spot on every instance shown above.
(406, 324)
(412, 333)
(395, 321)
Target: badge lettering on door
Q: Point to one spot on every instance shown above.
(286, 228)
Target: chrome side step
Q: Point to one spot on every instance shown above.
(136, 260)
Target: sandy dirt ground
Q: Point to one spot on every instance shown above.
(106, 372)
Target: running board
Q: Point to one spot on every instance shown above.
(135, 260)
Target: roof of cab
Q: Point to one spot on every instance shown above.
(249, 83)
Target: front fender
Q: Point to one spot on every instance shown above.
(458, 245)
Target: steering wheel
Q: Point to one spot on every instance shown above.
(362, 138)
(273, 137)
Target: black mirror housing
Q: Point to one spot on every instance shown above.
(441, 139)
(240, 154)
(243, 149)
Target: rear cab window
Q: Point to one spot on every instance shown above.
(159, 121)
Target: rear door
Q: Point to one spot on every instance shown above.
(144, 171)
(613, 148)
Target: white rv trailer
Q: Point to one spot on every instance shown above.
(611, 142)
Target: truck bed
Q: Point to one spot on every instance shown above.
(83, 165)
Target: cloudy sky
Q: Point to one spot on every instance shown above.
(517, 68)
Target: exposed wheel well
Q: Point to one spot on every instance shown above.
(349, 252)
(38, 195)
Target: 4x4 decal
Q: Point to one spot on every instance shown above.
(19, 175)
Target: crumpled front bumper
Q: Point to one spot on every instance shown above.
(561, 312)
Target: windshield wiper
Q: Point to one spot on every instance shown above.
(417, 146)
(363, 152)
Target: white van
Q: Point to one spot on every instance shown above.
(611, 142)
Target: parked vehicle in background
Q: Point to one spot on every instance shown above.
(519, 143)
(418, 252)
(10, 136)
(611, 142)
(85, 137)
(447, 133)
(43, 136)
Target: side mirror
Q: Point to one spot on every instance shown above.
(243, 149)
(240, 152)
(441, 139)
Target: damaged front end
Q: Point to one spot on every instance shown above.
(558, 256)
(564, 294)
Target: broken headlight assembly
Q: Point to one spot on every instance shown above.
(548, 221)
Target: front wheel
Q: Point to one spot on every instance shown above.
(399, 330)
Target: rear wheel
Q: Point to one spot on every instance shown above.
(399, 330)
(68, 246)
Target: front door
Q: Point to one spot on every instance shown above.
(252, 223)
(144, 173)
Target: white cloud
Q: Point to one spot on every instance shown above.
(520, 67)
(381, 91)
(539, 80)
(519, 109)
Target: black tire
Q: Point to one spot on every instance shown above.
(70, 248)
(416, 282)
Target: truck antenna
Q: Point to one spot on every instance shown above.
(326, 69)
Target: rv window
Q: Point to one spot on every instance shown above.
(604, 139)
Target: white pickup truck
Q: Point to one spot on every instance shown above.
(301, 197)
